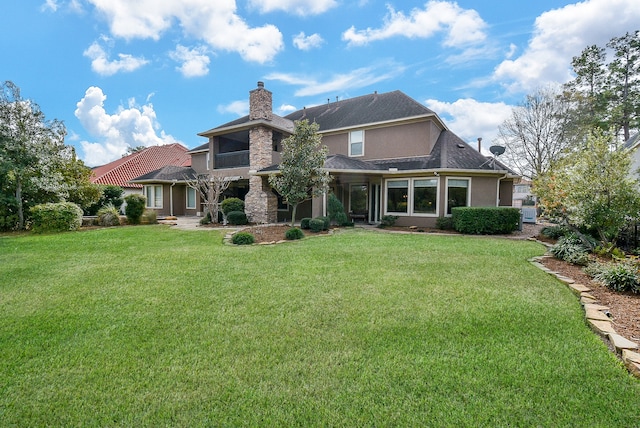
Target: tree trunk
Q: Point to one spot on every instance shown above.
(19, 201)
(293, 215)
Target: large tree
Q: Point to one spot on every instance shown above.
(301, 174)
(591, 188)
(35, 164)
(606, 94)
(535, 134)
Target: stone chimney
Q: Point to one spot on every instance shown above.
(260, 103)
(261, 205)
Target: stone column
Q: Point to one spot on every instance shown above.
(261, 204)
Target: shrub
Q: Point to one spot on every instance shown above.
(56, 217)
(243, 238)
(570, 249)
(135, 207)
(206, 219)
(610, 251)
(621, 276)
(316, 225)
(149, 217)
(388, 220)
(554, 232)
(231, 204)
(485, 220)
(108, 216)
(294, 233)
(343, 220)
(304, 223)
(326, 222)
(444, 223)
(237, 218)
(335, 210)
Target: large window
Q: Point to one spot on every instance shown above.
(356, 143)
(457, 193)
(358, 198)
(191, 198)
(154, 196)
(397, 196)
(425, 196)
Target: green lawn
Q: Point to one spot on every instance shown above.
(149, 326)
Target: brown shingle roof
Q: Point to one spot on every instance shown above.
(120, 171)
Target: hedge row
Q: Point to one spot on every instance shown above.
(485, 220)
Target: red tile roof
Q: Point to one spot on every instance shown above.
(120, 171)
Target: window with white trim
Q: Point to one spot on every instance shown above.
(425, 196)
(356, 143)
(154, 196)
(457, 193)
(191, 198)
(397, 196)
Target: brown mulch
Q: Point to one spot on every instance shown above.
(624, 307)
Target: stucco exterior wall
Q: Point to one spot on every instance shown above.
(383, 142)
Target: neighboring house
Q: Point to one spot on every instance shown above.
(632, 144)
(121, 171)
(522, 195)
(388, 155)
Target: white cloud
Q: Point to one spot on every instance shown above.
(51, 5)
(471, 119)
(563, 33)
(286, 108)
(240, 108)
(305, 43)
(358, 78)
(461, 26)
(127, 127)
(214, 22)
(297, 7)
(100, 62)
(195, 62)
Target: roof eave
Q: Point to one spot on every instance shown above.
(243, 126)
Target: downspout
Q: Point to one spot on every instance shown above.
(498, 190)
(171, 197)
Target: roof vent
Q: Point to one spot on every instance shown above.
(460, 146)
(260, 84)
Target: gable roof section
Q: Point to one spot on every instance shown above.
(168, 173)
(363, 110)
(121, 171)
(277, 122)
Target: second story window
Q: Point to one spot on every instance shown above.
(356, 143)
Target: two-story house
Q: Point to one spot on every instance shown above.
(388, 154)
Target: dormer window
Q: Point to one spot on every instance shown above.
(356, 143)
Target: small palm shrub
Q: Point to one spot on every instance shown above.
(243, 238)
(316, 225)
(554, 232)
(108, 216)
(621, 276)
(304, 223)
(294, 233)
(388, 220)
(237, 218)
(570, 249)
(149, 217)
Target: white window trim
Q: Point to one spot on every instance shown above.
(148, 203)
(446, 196)
(436, 214)
(361, 154)
(410, 197)
(195, 199)
(386, 194)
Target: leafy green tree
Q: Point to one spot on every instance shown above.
(591, 189)
(301, 176)
(624, 82)
(32, 152)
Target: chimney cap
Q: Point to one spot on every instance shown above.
(260, 84)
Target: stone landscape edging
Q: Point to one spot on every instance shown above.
(598, 319)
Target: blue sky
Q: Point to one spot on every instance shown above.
(125, 73)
